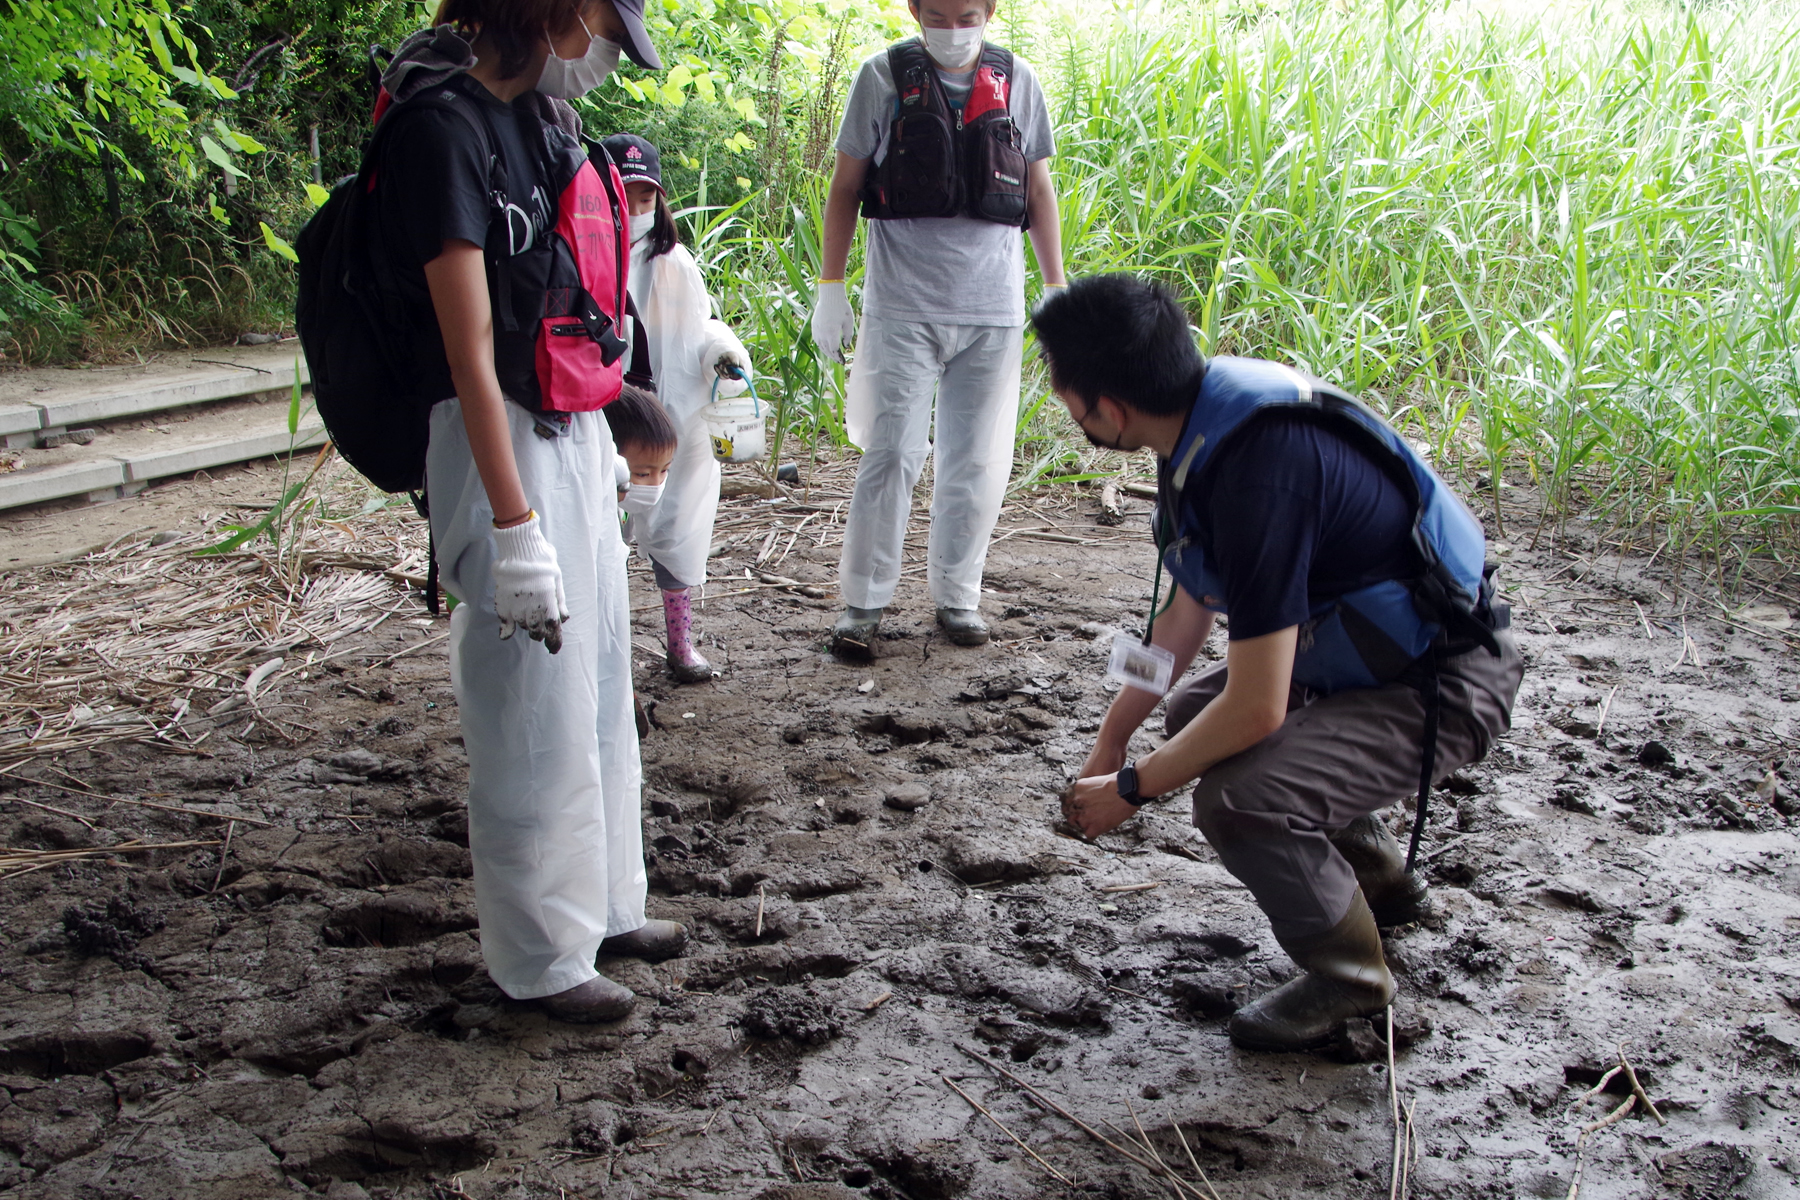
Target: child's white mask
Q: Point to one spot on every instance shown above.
(567, 78)
(641, 498)
(954, 49)
(640, 225)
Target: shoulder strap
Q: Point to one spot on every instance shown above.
(603, 167)
(1001, 59)
(445, 99)
(637, 372)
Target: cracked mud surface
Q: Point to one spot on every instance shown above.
(867, 859)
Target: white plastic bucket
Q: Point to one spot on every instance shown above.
(736, 429)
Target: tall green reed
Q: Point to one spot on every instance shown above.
(1562, 243)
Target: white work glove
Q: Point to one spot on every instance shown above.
(833, 324)
(724, 355)
(528, 588)
(1051, 291)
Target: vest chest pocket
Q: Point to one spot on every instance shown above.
(922, 181)
(997, 173)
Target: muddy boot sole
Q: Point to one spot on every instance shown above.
(1301, 1015)
(696, 672)
(596, 1002)
(853, 637)
(963, 626)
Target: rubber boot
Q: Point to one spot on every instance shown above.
(1396, 896)
(653, 940)
(963, 626)
(686, 663)
(1345, 977)
(596, 1001)
(854, 634)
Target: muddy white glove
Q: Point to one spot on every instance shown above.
(528, 588)
(1051, 292)
(722, 354)
(833, 324)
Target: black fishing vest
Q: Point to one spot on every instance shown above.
(945, 163)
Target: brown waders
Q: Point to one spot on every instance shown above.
(1293, 819)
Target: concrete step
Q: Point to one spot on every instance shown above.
(40, 403)
(125, 456)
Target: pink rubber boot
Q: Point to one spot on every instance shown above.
(686, 663)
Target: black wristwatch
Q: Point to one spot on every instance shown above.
(1127, 782)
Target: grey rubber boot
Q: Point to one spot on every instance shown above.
(963, 626)
(654, 940)
(854, 634)
(1345, 977)
(591, 1003)
(1396, 896)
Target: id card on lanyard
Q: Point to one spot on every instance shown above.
(1135, 662)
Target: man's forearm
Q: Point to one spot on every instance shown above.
(840, 216)
(1182, 630)
(1259, 672)
(1046, 221)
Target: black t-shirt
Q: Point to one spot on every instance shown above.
(433, 184)
(1291, 512)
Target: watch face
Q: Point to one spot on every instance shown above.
(1128, 783)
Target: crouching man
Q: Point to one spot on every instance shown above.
(1366, 652)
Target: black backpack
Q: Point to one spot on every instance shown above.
(366, 330)
(942, 162)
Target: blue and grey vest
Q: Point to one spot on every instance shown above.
(1370, 636)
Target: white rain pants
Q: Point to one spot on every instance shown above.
(974, 372)
(554, 779)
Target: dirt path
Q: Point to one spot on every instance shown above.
(867, 857)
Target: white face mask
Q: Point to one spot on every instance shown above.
(640, 225)
(954, 49)
(567, 78)
(641, 498)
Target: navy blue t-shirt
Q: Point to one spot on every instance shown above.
(1289, 513)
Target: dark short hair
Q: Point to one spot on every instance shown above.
(513, 26)
(1124, 337)
(638, 418)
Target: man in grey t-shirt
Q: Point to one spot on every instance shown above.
(943, 314)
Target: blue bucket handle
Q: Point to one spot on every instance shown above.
(748, 382)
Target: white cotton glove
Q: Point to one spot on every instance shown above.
(724, 355)
(833, 324)
(528, 588)
(1051, 291)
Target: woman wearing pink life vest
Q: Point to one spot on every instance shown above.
(519, 473)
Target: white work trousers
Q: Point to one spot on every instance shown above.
(974, 372)
(554, 778)
(677, 533)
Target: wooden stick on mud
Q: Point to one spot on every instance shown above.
(174, 808)
(1648, 632)
(762, 898)
(1062, 1112)
(1154, 1153)
(224, 854)
(1605, 707)
(1581, 1143)
(1194, 1162)
(50, 808)
(1394, 1107)
(976, 1105)
(1637, 1089)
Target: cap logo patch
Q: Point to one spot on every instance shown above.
(633, 153)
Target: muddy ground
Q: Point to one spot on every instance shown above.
(867, 858)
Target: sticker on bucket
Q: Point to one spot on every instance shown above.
(736, 425)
